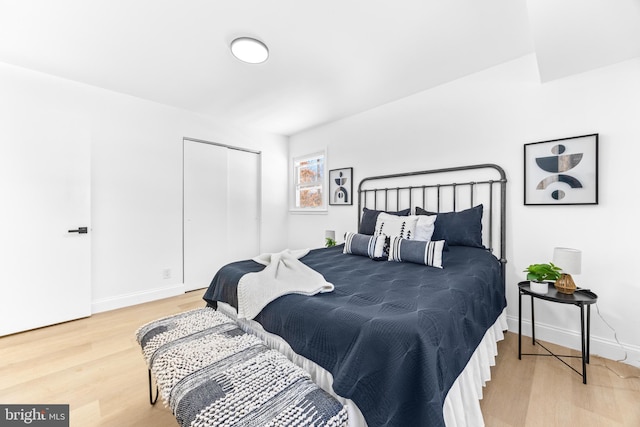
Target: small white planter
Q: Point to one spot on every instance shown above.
(539, 287)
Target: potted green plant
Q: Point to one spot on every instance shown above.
(540, 274)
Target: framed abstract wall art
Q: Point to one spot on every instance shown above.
(562, 171)
(341, 186)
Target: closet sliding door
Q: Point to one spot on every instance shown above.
(221, 209)
(243, 204)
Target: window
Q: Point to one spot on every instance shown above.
(309, 182)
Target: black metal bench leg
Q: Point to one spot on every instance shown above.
(152, 400)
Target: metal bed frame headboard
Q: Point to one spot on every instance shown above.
(447, 195)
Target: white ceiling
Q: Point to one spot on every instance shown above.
(329, 59)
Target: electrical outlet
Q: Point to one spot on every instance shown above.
(166, 273)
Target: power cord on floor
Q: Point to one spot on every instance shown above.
(615, 336)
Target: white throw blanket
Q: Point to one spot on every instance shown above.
(284, 274)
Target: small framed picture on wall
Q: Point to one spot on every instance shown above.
(341, 186)
(562, 171)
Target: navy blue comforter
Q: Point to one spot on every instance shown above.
(395, 336)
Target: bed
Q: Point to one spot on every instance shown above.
(407, 342)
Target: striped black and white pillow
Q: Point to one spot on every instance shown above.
(419, 252)
(361, 244)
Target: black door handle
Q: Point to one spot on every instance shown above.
(80, 230)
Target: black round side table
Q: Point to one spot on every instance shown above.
(580, 298)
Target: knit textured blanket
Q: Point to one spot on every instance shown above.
(284, 274)
(211, 373)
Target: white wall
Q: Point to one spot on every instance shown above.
(136, 173)
(488, 117)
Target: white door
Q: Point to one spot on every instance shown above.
(221, 209)
(45, 185)
(243, 204)
(205, 212)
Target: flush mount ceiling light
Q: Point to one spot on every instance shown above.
(250, 50)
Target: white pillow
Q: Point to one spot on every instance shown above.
(425, 227)
(396, 226)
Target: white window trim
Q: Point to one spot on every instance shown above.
(292, 189)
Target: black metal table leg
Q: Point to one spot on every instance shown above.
(588, 331)
(519, 324)
(584, 345)
(152, 400)
(533, 324)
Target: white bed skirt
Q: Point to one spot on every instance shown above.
(462, 404)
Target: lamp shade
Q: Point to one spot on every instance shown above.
(569, 260)
(330, 234)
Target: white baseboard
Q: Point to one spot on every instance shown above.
(127, 300)
(603, 347)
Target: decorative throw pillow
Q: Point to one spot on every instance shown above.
(418, 252)
(360, 244)
(425, 227)
(392, 225)
(463, 228)
(369, 218)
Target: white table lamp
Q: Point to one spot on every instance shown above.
(570, 261)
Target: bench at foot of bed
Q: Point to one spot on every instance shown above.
(209, 372)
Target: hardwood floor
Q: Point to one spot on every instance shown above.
(96, 367)
(541, 391)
